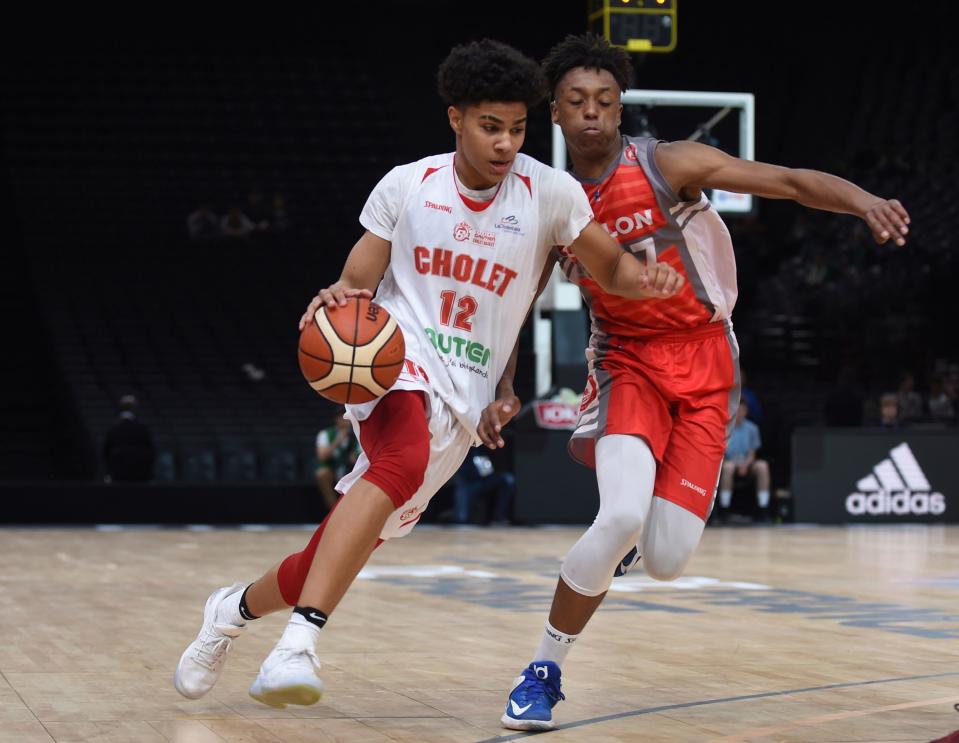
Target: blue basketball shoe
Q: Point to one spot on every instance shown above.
(534, 694)
(628, 562)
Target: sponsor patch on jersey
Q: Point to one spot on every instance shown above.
(509, 223)
(462, 232)
(439, 207)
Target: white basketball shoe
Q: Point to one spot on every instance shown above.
(288, 675)
(202, 662)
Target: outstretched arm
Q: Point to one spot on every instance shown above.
(692, 166)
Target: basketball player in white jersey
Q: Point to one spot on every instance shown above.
(663, 381)
(454, 248)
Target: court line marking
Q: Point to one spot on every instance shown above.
(818, 720)
(721, 700)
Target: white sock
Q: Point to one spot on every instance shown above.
(763, 496)
(299, 633)
(555, 645)
(228, 612)
(725, 498)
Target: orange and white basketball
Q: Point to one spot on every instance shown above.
(352, 354)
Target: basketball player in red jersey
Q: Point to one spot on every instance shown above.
(663, 380)
(454, 247)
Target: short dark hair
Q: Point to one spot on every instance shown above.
(590, 51)
(489, 70)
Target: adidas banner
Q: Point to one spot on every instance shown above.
(843, 475)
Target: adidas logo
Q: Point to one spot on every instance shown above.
(896, 486)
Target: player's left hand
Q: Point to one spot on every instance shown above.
(888, 220)
(662, 281)
(494, 416)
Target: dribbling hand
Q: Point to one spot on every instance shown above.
(333, 296)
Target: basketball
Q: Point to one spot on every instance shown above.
(352, 354)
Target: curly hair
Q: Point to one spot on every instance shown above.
(489, 70)
(590, 51)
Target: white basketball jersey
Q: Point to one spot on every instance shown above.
(463, 274)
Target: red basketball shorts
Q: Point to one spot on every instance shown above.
(678, 391)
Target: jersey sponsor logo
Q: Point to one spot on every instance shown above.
(439, 207)
(462, 348)
(486, 239)
(462, 232)
(897, 486)
(465, 232)
(509, 223)
(687, 484)
(463, 267)
(628, 224)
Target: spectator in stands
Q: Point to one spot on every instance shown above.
(741, 461)
(910, 401)
(752, 401)
(941, 408)
(128, 450)
(889, 411)
(202, 225)
(236, 225)
(476, 478)
(336, 452)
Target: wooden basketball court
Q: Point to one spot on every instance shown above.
(775, 634)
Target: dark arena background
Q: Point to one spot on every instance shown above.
(169, 209)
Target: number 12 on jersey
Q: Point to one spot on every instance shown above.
(467, 308)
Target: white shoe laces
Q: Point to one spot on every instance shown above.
(212, 649)
(286, 654)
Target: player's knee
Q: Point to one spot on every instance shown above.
(666, 564)
(666, 559)
(400, 468)
(396, 439)
(622, 524)
(761, 466)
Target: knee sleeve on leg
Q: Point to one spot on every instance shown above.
(292, 572)
(396, 440)
(625, 491)
(291, 575)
